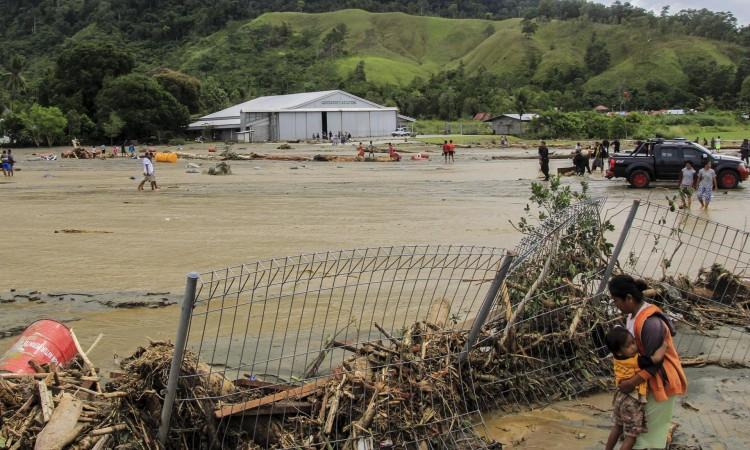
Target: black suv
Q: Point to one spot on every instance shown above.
(663, 159)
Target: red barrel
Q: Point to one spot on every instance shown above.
(44, 341)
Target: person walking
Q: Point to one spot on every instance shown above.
(371, 151)
(745, 151)
(544, 159)
(687, 185)
(651, 328)
(706, 184)
(11, 162)
(451, 151)
(149, 174)
(446, 149)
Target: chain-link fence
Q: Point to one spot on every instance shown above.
(698, 269)
(403, 347)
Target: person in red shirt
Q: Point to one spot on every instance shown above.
(392, 153)
(446, 150)
(451, 150)
(360, 152)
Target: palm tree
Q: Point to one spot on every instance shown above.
(15, 82)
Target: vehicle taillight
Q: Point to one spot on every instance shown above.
(611, 164)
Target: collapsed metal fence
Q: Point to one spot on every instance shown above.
(405, 346)
(699, 269)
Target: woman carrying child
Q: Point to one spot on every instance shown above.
(651, 330)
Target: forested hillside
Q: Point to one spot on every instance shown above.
(142, 67)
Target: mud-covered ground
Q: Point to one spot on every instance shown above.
(80, 228)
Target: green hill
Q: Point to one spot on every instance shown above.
(397, 47)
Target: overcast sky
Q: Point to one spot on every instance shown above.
(740, 8)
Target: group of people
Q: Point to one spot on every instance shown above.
(704, 181)
(8, 161)
(715, 143)
(449, 151)
(598, 153)
(149, 173)
(392, 153)
(582, 160)
(335, 138)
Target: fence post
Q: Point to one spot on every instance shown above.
(188, 302)
(489, 299)
(618, 248)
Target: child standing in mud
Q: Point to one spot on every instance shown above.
(629, 410)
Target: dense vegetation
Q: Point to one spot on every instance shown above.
(139, 68)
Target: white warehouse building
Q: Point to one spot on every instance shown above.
(300, 116)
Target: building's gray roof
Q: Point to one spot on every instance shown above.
(269, 102)
(521, 117)
(230, 117)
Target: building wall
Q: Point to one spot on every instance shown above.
(507, 125)
(302, 125)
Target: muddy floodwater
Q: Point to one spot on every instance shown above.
(80, 227)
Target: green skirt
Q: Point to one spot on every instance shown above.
(658, 420)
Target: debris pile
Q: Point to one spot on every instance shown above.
(716, 297)
(220, 169)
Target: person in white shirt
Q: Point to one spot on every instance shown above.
(149, 174)
(687, 185)
(706, 184)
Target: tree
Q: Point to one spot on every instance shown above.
(745, 92)
(45, 123)
(333, 42)
(185, 88)
(113, 126)
(528, 27)
(82, 68)
(213, 96)
(15, 82)
(146, 108)
(597, 57)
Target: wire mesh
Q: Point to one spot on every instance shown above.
(377, 334)
(543, 339)
(699, 268)
(289, 322)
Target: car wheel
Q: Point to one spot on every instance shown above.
(728, 179)
(639, 179)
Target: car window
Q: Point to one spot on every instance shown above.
(671, 154)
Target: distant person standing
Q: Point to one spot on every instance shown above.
(5, 165)
(123, 152)
(745, 151)
(360, 152)
(451, 151)
(718, 143)
(149, 174)
(687, 185)
(616, 145)
(713, 143)
(446, 149)
(598, 161)
(544, 160)
(131, 150)
(371, 150)
(706, 184)
(11, 162)
(705, 142)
